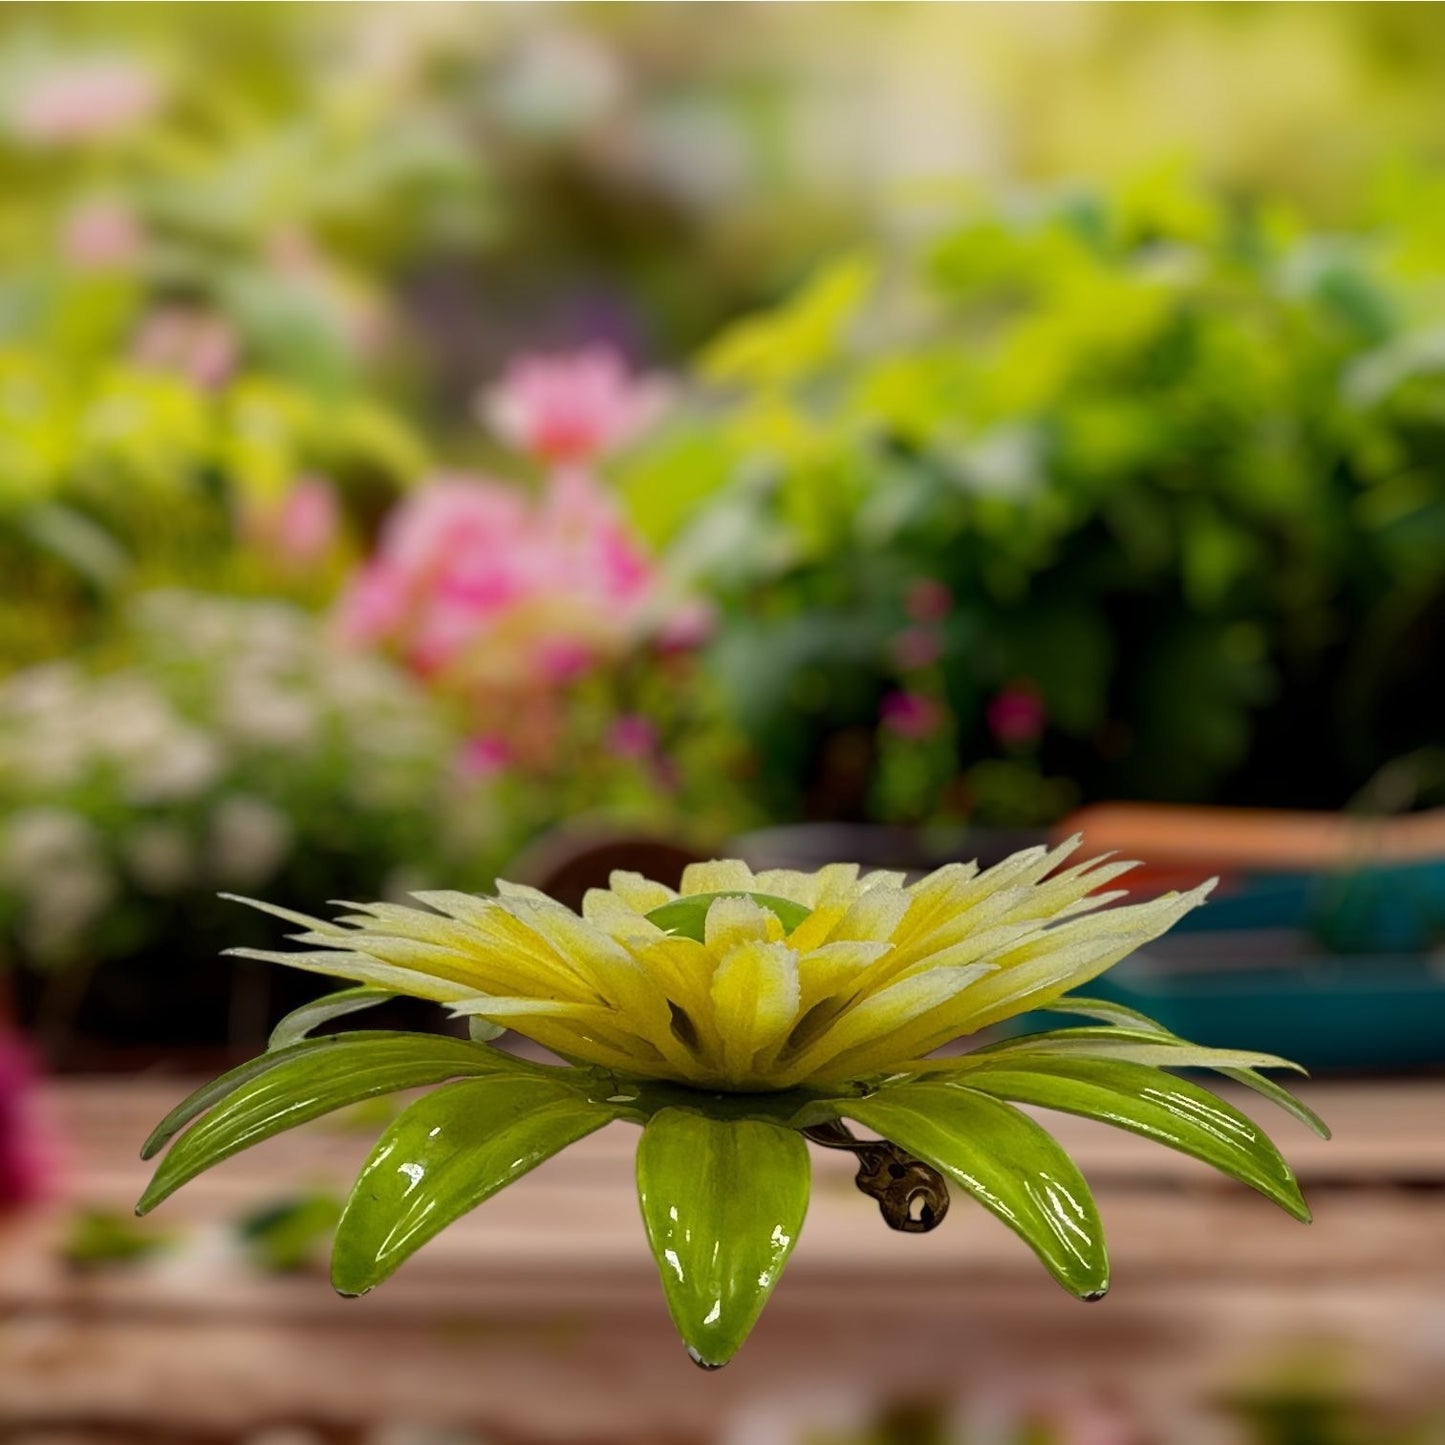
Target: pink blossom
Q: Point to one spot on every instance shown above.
(483, 756)
(1016, 716)
(571, 408)
(81, 100)
(102, 235)
(928, 600)
(634, 737)
(688, 626)
(198, 344)
(309, 520)
(911, 715)
(474, 582)
(916, 648)
(27, 1157)
(299, 528)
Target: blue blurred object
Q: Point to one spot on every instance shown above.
(1333, 970)
(1394, 908)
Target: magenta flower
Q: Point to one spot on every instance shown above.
(571, 409)
(27, 1156)
(911, 715)
(1016, 716)
(483, 756)
(82, 100)
(633, 737)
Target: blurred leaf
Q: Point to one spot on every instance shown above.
(797, 339)
(95, 1238)
(291, 1234)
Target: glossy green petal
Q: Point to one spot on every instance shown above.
(309, 1080)
(446, 1154)
(298, 1024)
(1147, 1101)
(196, 1104)
(1115, 1013)
(1014, 1168)
(723, 1202)
(1136, 1046)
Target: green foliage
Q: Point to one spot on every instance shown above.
(288, 1235)
(1172, 467)
(97, 1238)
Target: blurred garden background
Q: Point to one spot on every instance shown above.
(443, 440)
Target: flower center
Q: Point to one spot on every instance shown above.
(688, 916)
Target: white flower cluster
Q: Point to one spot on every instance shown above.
(237, 734)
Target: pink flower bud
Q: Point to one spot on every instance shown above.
(911, 715)
(928, 600)
(571, 409)
(1016, 716)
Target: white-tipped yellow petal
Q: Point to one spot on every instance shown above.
(876, 975)
(883, 878)
(638, 892)
(874, 916)
(835, 883)
(721, 875)
(605, 910)
(877, 1018)
(1057, 960)
(736, 920)
(836, 968)
(523, 890)
(788, 883)
(360, 968)
(315, 925)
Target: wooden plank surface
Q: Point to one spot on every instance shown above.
(540, 1315)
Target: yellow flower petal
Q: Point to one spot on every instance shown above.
(755, 999)
(876, 976)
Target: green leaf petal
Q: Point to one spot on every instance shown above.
(1135, 1045)
(723, 1202)
(1012, 1166)
(309, 1080)
(687, 916)
(299, 1022)
(1116, 1013)
(1278, 1094)
(442, 1157)
(1147, 1101)
(193, 1105)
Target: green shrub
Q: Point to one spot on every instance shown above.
(1172, 471)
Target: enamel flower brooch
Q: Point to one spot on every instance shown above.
(734, 1020)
